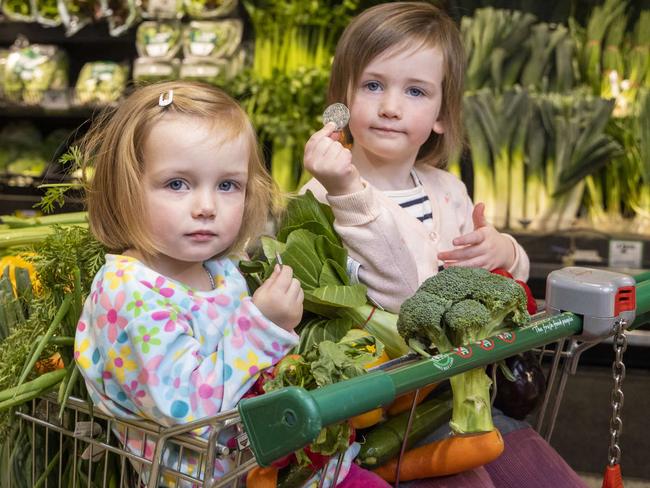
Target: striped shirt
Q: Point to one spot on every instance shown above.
(414, 200)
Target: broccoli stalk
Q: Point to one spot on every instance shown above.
(459, 306)
(468, 321)
(471, 411)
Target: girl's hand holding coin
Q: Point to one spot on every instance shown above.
(327, 159)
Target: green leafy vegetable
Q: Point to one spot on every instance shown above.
(101, 83)
(307, 242)
(326, 363)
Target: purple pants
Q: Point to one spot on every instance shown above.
(528, 461)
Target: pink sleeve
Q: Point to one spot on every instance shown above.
(369, 231)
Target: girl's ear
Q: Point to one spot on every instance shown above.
(438, 127)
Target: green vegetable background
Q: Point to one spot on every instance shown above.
(534, 72)
(557, 118)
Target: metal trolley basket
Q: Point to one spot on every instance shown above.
(268, 427)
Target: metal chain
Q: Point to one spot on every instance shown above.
(618, 371)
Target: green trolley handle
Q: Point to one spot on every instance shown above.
(285, 420)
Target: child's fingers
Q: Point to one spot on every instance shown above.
(476, 262)
(312, 143)
(469, 239)
(271, 280)
(328, 129)
(334, 151)
(283, 279)
(460, 254)
(478, 216)
(295, 292)
(323, 147)
(319, 135)
(335, 136)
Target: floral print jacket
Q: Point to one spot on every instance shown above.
(148, 346)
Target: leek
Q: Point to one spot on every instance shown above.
(535, 193)
(483, 190)
(577, 148)
(499, 117)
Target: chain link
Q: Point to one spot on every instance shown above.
(618, 372)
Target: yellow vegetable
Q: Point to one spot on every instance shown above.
(18, 261)
(375, 416)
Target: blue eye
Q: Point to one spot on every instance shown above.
(176, 185)
(415, 92)
(373, 86)
(227, 186)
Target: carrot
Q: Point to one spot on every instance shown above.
(368, 419)
(260, 477)
(447, 456)
(55, 361)
(403, 402)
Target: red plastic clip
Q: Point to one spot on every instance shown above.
(613, 477)
(625, 299)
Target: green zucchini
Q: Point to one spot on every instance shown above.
(384, 441)
(294, 476)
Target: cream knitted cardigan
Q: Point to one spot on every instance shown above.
(396, 251)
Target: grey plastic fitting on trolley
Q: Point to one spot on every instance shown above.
(599, 296)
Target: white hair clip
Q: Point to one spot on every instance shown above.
(166, 98)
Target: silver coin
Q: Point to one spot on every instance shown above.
(337, 113)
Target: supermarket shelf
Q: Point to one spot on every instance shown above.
(13, 198)
(96, 33)
(39, 112)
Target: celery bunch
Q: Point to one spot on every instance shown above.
(294, 44)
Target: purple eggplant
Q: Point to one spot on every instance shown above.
(520, 397)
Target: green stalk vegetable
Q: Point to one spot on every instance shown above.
(19, 394)
(63, 310)
(61, 219)
(454, 308)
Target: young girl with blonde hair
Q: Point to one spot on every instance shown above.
(169, 332)
(399, 68)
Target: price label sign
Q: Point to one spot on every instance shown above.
(625, 254)
(55, 100)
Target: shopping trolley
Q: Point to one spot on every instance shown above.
(78, 447)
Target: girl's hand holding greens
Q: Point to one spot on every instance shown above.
(280, 298)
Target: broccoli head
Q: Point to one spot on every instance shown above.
(453, 283)
(461, 305)
(505, 299)
(456, 307)
(465, 321)
(420, 322)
